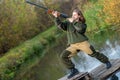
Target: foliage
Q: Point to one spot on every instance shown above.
(27, 53)
(20, 21)
(16, 23)
(102, 14)
(91, 11)
(111, 12)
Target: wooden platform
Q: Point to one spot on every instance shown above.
(99, 73)
(77, 77)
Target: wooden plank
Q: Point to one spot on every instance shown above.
(76, 77)
(101, 73)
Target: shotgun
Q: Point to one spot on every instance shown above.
(49, 11)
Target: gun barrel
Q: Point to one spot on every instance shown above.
(36, 5)
(48, 10)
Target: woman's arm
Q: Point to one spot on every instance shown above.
(61, 25)
(80, 27)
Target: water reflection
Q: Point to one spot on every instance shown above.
(112, 50)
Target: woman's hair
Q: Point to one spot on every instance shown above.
(82, 19)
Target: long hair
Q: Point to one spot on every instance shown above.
(82, 19)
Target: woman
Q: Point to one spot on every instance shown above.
(76, 28)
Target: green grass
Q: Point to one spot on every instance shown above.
(26, 54)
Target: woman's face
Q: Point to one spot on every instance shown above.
(75, 15)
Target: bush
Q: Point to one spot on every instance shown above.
(30, 50)
(111, 11)
(102, 14)
(91, 11)
(17, 23)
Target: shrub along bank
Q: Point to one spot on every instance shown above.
(26, 54)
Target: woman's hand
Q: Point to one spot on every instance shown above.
(71, 19)
(55, 13)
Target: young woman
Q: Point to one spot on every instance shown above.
(76, 28)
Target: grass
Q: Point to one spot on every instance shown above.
(26, 54)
